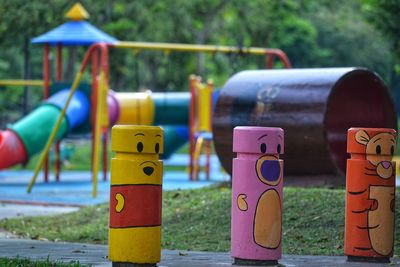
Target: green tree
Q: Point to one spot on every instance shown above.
(347, 39)
(384, 14)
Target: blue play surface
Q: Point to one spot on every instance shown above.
(75, 187)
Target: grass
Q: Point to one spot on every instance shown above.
(313, 222)
(19, 262)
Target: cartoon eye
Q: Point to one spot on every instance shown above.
(278, 149)
(157, 147)
(263, 148)
(139, 146)
(378, 149)
(392, 150)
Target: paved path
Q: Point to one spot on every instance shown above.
(97, 255)
(15, 210)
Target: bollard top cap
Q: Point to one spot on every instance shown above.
(371, 141)
(258, 140)
(137, 139)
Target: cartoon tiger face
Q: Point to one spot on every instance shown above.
(379, 152)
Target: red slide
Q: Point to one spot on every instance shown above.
(12, 150)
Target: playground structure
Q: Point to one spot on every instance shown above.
(24, 143)
(100, 107)
(200, 124)
(314, 106)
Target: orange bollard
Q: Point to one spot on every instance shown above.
(370, 194)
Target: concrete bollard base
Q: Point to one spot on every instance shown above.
(237, 261)
(128, 264)
(368, 259)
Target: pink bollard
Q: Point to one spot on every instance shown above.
(257, 183)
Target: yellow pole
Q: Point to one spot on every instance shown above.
(21, 82)
(97, 131)
(193, 47)
(196, 158)
(54, 132)
(168, 47)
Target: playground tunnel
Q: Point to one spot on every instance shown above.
(28, 136)
(315, 107)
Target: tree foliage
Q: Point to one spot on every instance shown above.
(384, 14)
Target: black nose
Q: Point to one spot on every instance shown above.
(148, 170)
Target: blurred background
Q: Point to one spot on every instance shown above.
(312, 33)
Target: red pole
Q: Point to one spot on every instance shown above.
(210, 85)
(46, 82)
(95, 64)
(105, 69)
(46, 71)
(281, 55)
(58, 78)
(93, 53)
(270, 61)
(104, 66)
(192, 108)
(59, 63)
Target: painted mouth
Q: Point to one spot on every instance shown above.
(367, 227)
(268, 169)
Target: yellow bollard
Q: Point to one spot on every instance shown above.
(135, 195)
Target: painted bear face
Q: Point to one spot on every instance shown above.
(379, 151)
(258, 140)
(142, 146)
(264, 144)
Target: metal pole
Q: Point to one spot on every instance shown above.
(22, 82)
(205, 48)
(54, 132)
(93, 97)
(26, 75)
(57, 146)
(46, 78)
(192, 81)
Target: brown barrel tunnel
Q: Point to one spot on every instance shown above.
(315, 107)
